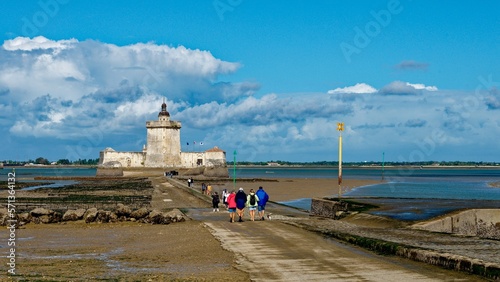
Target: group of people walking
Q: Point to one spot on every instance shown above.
(236, 202)
(206, 189)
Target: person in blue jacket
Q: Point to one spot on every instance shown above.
(241, 201)
(263, 198)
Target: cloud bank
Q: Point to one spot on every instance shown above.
(69, 69)
(359, 88)
(59, 93)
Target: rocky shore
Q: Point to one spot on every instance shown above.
(137, 244)
(119, 214)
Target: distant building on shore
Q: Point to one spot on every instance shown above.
(163, 149)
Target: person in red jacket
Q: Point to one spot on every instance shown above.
(231, 205)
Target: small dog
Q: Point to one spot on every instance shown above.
(269, 216)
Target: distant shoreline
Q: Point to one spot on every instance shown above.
(494, 184)
(344, 166)
(49, 166)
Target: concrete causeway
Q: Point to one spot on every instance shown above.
(286, 249)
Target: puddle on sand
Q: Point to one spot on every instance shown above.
(114, 265)
(120, 266)
(57, 184)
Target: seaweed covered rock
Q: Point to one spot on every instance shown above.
(41, 211)
(73, 215)
(42, 215)
(90, 215)
(102, 216)
(24, 218)
(156, 217)
(122, 210)
(176, 215)
(4, 216)
(140, 213)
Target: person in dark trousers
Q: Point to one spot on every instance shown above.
(241, 201)
(263, 198)
(215, 201)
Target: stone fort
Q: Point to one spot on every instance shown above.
(163, 149)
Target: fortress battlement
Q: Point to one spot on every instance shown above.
(163, 149)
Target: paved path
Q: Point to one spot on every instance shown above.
(275, 251)
(271, 250)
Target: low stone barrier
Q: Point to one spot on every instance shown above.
(449, 261)
(121, 213)
(483, 223)
(328, 208)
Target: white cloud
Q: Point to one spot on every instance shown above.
(268, 109)
(359, 88)
(420, 86)
(405, 88)
(66, 85)
(39, 42)
(71, 69)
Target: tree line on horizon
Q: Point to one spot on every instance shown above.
(44, 161)
(366, 163)
(93, 162)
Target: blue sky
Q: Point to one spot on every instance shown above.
(416, 80)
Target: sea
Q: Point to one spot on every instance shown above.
(407, 193)
(415, 193)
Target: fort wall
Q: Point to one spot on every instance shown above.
(163, 149)
(126, 159)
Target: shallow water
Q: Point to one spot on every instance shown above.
(28, 173)
(423, 209)
(409, 209)
(423, 193)
(409, 194)
(451, 188)
(54, 184)
(304, 204)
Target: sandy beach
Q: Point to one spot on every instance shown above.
(288, 189)
(279, 189)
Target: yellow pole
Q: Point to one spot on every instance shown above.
(340, 128)
(340, 165)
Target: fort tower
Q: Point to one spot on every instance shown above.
(164, 141)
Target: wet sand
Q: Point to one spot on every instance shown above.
(288, 189)
(125, 251)
(139, 252)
